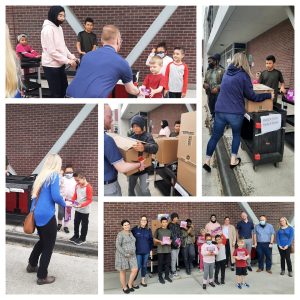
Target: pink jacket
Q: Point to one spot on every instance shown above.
(205, 249)
(27, 51)
(55, 52)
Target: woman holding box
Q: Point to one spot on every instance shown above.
(126, 257)
(230, 107)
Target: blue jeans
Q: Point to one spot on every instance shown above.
(221, 120)
(263, 250)
(142, 260)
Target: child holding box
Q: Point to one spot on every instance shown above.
(162, 237)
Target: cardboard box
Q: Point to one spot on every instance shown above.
(187, 148)
(124, 145)
(266, 105)
(186, 176)
(188, 123)
(167, 150)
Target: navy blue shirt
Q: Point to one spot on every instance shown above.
(99, 72)
(111, 156)
(143, 240)
(235, 87)
(245, 229)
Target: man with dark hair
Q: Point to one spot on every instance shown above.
(212, 82)
(86, 40)
(176, 241)
(271, 77)
(176, 131)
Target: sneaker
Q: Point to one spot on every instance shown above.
(282, 272)
(239, 286)
(161, 280)
(232, 268)
(217, 282)
(246, 285)
(175, 275)
(79, 242)
(31, 269)
(222, 282)
(58, 227)
(47, 280)
(212, 284)
(73, 239)
(66, 230)
(204, 286)
(168, 279)
(249, 268)
(290, 274)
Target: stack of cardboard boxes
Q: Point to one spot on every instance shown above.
(167, 150)
(186, 173)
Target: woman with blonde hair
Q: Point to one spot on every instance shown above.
(230, 106)
(12, 80)
(284, 240)
(45, 194)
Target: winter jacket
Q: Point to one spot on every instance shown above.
(55, 52)
(235, 87)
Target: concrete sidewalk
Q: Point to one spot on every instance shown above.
(260, 283)
(265, 181)
(74, 275)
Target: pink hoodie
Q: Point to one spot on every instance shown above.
(205, 249)
(55, 52)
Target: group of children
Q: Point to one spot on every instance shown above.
(168, 76)
(212, 256)
(78, 193)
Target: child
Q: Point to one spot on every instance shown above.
(209, 251)
(149, 146)
(200, 242)
(220, 260)
(86, 40)
(241, 255)
(24, 50)
(162, 237)
(154, 83)
(82, 199)
(67, 191)
(177, 74)
(161, 51)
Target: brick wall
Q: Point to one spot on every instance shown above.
(133, 21)
(169, 112)
(31, 130)
(278, 41)
(199, 213)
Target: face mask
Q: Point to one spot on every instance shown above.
(208, 242)
(160, 54)
(262, 223)
(69, 175)
(211, 65)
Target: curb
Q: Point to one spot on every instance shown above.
(60, 245)
(229, 182)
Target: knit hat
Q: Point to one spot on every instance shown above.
(139, 121)
(53, 14)
(22, 35)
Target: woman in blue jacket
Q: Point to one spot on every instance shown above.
(284, 239)
(144, 245)
(230, 106)
(46, 192)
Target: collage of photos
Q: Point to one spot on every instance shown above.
(218, 158)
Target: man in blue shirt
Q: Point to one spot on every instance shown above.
(264, 234)
(100, 70)
(113, 161)
(245, 229)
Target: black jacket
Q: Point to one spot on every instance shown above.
(176, 233)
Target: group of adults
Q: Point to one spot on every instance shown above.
(226, 92)
(134, 245)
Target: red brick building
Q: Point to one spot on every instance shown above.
(32, 129)
(199, 213)
(133, 21)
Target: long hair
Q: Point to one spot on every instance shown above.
(12, 79)
(240, 61)
(50, 169)
(286, 220)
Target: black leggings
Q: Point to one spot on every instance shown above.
(285, 256)
(84, 220)
(44, 247)
(57, 81)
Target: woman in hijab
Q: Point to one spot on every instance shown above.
(55, 54)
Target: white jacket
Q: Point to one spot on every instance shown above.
(55, 52)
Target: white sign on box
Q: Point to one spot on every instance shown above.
(270, 123)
